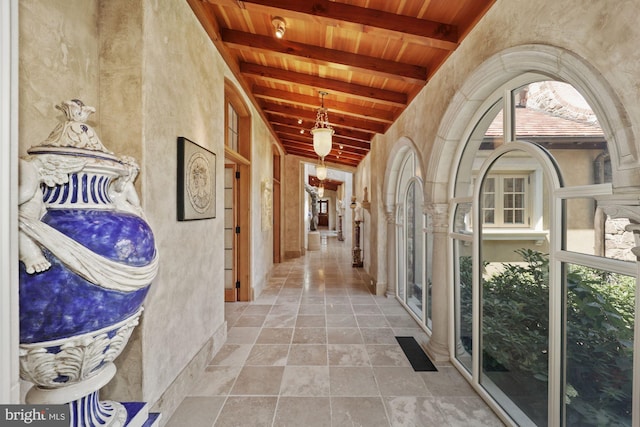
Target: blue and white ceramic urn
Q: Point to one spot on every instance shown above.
(87, 259)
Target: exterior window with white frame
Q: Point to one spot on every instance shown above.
(504, 201)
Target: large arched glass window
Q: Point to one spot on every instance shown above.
(413, 243)
(413, 227)
(544, 280)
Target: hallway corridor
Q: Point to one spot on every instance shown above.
(317, 349)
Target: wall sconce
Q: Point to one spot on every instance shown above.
(365, 200)
(279, 26)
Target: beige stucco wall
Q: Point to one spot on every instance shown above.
(153, 75)
(58, 58)
(292, 198)
(262, 171)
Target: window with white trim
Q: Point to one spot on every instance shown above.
(504, 200)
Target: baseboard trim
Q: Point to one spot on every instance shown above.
(177, 391)
(292, 254)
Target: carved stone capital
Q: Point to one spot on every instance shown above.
(390, 213)
(439, 213)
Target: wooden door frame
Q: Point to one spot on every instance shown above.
(243, 209)
(326, 213)
(242, 159)
(231, 294)
(277, 197)
(244, 238)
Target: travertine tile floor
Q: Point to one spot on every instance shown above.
(316, 348)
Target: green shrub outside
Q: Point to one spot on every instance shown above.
(599, 333)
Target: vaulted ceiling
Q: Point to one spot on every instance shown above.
(371, 57)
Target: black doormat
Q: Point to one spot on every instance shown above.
(415, 354)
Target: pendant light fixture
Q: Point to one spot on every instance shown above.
(321, 171)
(322, 132)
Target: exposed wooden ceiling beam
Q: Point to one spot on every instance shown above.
(330, 158)
(205, 15)
(360, 19)
(336, 120)
(408, 73)
(346, 136)
(290, 143)
(396, 99)
(289, 134)
(344, 132)
(328, 184)
(264, 92)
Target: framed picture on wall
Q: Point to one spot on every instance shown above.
(196, 181)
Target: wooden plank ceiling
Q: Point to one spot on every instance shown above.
(371, 57)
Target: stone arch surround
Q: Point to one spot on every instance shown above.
(392, 170)
(387, 228)
(506, 65)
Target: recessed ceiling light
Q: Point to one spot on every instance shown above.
(279, 26)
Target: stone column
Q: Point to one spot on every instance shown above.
(379, 255)
(632, 213)
(357, 252)
(438, 346)
(392, 277)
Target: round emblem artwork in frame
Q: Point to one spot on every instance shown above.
(196, 181)
(199, 186)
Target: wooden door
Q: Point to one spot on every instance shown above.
(323, 213)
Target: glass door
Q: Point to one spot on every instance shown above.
(514, 287)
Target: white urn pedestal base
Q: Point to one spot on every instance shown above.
(85, 407)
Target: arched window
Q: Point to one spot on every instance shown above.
(413, 242)
(544, 280)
